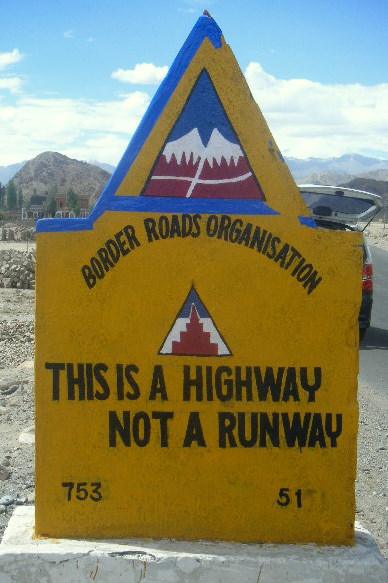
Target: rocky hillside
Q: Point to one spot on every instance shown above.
(376, 186)
(51, 168)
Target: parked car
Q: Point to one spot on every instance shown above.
(334, 207)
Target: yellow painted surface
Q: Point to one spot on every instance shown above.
(267, 320)
(119, 451)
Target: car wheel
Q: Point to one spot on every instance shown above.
(362, 332)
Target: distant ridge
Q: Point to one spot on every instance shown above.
(108, 167)
(40, 174)
(369, 185)
(90, 178)
(8, 172)
(348, 163)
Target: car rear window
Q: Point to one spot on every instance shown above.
(338, 203)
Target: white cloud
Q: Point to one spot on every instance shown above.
(311, 119)
(12, 84)
(10, 58)
(69, 33)
(83, 129)
(306, 118)
(143, 73)
(104, 148)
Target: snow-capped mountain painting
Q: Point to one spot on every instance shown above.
(191, 145)
(202, 157)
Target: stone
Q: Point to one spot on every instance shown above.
(4, 473)
(7, 500)
(27, 364)
(209, 278)
(28, 435)
(8, 390)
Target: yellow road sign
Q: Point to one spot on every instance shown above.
(196, 345)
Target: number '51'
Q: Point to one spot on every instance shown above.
(286, 495)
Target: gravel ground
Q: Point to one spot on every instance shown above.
(372, 466)
(17, 417)
(16, 401)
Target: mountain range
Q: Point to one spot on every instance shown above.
(88, 179)
(348, 164)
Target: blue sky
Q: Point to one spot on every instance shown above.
(76, 76)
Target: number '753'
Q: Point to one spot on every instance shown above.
(83, 491)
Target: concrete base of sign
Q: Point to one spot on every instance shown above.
(24, 559)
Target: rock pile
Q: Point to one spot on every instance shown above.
(17, 269)
(17, 232)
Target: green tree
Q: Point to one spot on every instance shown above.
(53, 190)
(20, 199)
(12, 200)
(30, 201)
(51, 205)
(2, 196)
(72, 199)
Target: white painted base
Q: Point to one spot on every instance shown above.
(27, 560)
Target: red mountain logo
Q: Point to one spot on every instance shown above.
(194, 332)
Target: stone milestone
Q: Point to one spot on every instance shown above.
(185, 380)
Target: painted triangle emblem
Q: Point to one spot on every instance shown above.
(202, 157)
(193, 332)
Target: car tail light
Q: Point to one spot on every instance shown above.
(367, 277)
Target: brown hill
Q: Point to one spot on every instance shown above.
(43, 172)
(376, 186)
